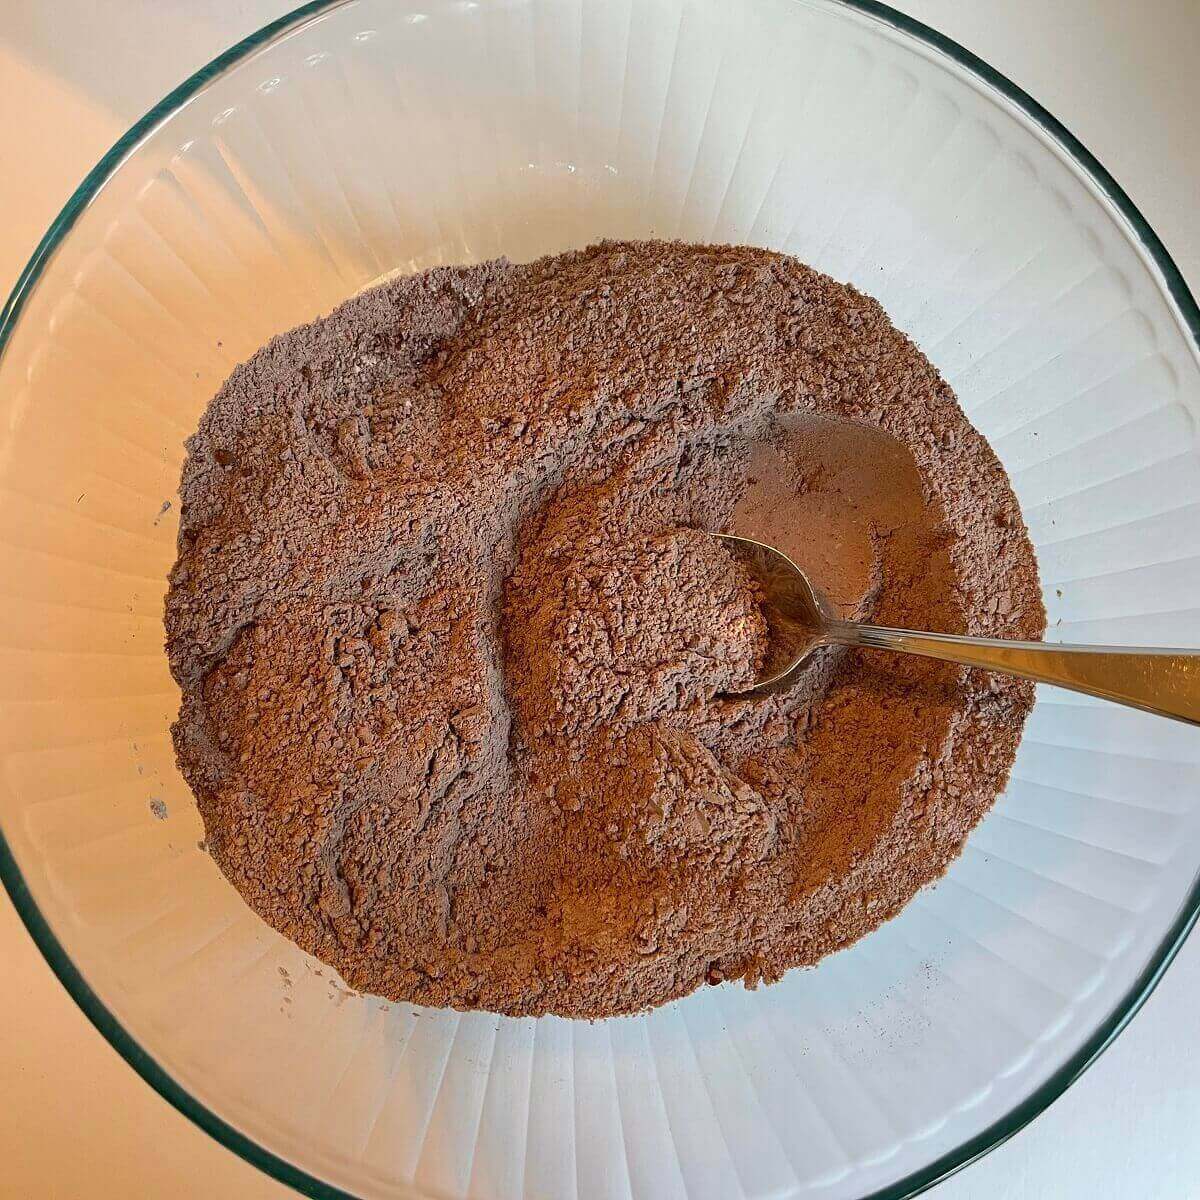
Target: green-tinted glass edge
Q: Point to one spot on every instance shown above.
(108, 1025)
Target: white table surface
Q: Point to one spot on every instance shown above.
(75, 1121)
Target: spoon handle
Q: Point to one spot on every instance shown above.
(1156, 680)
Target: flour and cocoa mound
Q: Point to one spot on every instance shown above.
(453, 654)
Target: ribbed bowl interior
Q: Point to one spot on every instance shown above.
(388, 135)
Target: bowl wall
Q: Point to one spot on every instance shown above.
(397, 136)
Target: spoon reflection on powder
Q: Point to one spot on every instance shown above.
(800, 620)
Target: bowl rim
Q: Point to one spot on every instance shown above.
(69, 975)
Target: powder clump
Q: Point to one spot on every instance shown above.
(626, 632)
(457, 656)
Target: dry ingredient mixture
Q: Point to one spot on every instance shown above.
(452, 649)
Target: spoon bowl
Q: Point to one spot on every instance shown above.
(798, 617)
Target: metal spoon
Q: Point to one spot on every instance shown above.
(1160, 681)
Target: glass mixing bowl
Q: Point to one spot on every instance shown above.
(353, 139)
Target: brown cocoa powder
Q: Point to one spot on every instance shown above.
(452, 652)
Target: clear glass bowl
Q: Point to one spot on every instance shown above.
(352, 139)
